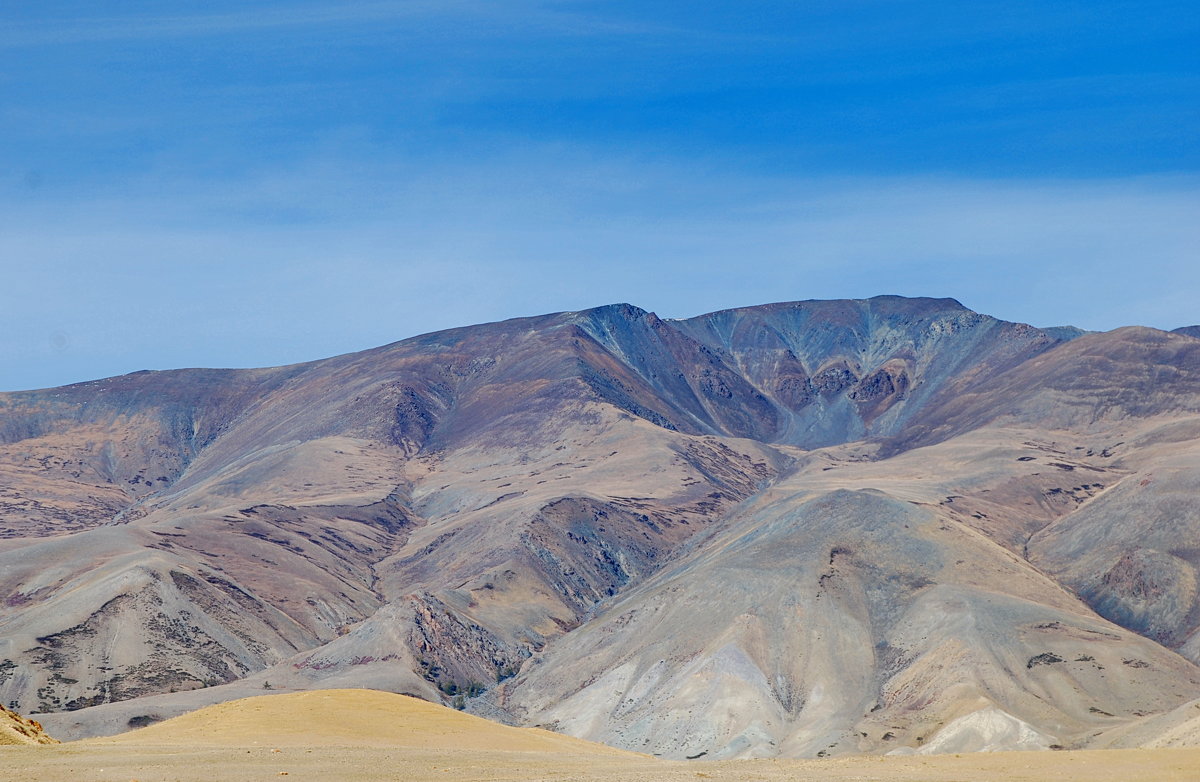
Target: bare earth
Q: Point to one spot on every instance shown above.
(368, 735)
(323, 762)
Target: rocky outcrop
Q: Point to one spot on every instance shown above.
(15, 729)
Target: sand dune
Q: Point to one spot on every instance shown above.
(348, 718)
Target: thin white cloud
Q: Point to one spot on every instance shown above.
(298, 264)
(134, 27)
(525, 16)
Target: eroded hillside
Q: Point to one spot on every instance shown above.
(801, 529)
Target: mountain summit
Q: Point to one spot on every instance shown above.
(820, 527)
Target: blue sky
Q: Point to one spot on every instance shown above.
(240, 184)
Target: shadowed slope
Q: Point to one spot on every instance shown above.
(847, 370)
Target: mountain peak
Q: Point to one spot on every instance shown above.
(801, 528)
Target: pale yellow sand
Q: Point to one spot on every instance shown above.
(365, 735)
(347, 718)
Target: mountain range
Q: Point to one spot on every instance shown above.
(799, 529)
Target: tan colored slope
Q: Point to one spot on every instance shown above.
(1185, 732)
(374, 736)
(80, 760)
(1178, 728)
(15, 729)
(326, 718)
(844, 623)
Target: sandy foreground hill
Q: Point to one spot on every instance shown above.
(370, 735)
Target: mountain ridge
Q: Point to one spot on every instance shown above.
(458, 515)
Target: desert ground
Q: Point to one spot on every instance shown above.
(368, 735)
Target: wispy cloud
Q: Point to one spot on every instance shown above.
(273, 181)
(530, 16)
(300, 263)
(82, 29)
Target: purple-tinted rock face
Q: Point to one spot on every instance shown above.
(808, 373)
(800, 528)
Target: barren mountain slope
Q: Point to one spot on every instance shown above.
(1090, 385)
(1119, 413)
(847, 621)
(482, 506)
(841, 371)
(517, 484)
(1016, 486)
(1179, 727)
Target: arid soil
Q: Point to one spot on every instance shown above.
(364, 735)
(70, 763)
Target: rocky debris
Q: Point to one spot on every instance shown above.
(1045, 658)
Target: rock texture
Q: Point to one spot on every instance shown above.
(891, 525)
(17, 730)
